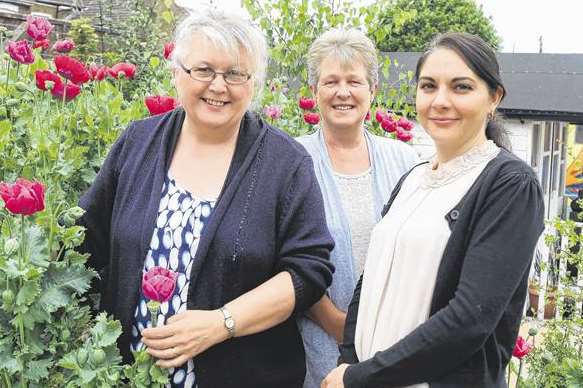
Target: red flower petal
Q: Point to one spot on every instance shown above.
(71, 69)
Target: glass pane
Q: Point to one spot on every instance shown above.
(557, 135)
(579, 134)
(555, 172)
(547, 135)
(535, 154)
(545, 173)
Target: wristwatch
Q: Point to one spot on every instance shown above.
(229, 321)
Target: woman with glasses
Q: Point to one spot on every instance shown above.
(356, 171)
(228, 203)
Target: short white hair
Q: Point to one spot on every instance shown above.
(347, 46)
(230, 30)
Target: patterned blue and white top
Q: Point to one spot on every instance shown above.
(181, 218)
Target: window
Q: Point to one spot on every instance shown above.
(535, 153)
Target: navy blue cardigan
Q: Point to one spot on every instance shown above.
(268, 218)
(479, 294)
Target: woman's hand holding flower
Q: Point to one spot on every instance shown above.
(184, 336)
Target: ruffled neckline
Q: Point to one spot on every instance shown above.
(451, 170)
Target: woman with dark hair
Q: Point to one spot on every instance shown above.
(441, 303)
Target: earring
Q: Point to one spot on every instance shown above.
(490, 116)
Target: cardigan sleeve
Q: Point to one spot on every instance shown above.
(498, 256)
(97, 202)
(304, 240)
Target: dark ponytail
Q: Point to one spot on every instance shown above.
(479, 57)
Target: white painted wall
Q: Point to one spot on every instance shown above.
(519, 137)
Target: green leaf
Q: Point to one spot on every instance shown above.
(7, 361)
(69, 361)
(159, 375)
(28, 293)
(37, 247)
(38, 369)
(61, 282)
(105, 332)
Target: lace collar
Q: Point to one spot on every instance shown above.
(449, 171)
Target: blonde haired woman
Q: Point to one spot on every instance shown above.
(356, 171)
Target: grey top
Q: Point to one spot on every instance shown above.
(358, 203)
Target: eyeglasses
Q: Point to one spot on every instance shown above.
(206, 74)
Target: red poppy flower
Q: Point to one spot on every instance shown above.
(71, 69)
(23, 197)
(307, 103)
(168, 48)
(128, 70)
(64, 46)
(389, 125)
(521, 348)
(367, 116)
(405, 124)
(69, 91)
(381, 115)
(160, 104)
(98, 73)
(20, 51)
(158, 284)
(311, 118)
(38, 28)
(404, 135)
(44, 44)
(42, 76)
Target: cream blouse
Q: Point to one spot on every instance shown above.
(406, 248)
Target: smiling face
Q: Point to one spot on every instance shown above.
(453, 102)
(343, 94)
(216, 104)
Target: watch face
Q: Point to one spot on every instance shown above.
(230, 323)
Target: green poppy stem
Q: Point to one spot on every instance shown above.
(7, 380)
(154, 308)
(7, 74)
(518, 376)
(22, 260)
(509, 371)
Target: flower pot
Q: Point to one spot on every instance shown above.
(550, 302)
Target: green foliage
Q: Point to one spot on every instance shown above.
(291, 27)
(555, 362)
(558, 360)
(144, 373)
(96, 363)
(139, 38)
(83, 34)
(46, 326)
(409, 25)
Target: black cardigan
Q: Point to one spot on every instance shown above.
(268, 218)
(479, 293)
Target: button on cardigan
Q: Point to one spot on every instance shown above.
(479, 294)
(268, 218)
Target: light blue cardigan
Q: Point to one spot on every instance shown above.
(390, 159)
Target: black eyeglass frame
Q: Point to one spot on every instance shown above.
(215, 73)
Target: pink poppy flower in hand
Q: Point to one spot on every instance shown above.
(158, 284)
